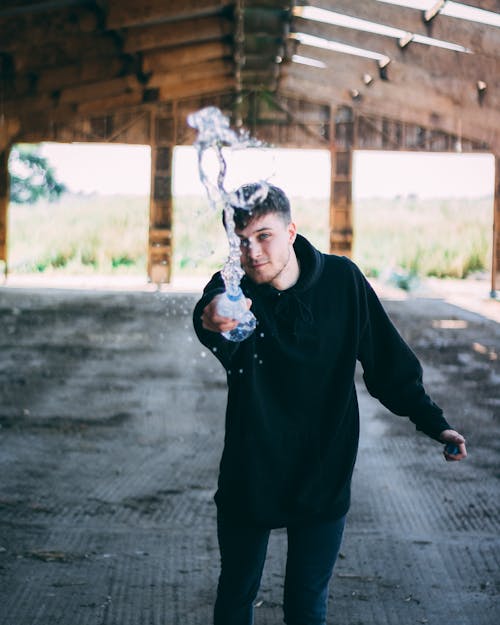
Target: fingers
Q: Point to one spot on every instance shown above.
(212, 321)
(455, 448)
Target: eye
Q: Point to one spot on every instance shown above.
(264, 235)
(244, 243)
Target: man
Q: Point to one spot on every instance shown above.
(292, 420)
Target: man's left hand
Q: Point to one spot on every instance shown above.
(451, 436)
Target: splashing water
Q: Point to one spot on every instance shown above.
(214, 133)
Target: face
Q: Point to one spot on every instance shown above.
(267, 249)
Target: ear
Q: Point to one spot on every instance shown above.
(292, 232)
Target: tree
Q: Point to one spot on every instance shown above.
(32, 177)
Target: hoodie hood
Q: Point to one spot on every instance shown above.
(291, 306)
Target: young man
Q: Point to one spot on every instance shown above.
(292, 420)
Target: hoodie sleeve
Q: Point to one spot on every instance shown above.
(223, 349)
(392, 372)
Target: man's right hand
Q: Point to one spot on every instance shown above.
(212, 321)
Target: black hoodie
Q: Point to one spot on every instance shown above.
(292, 422)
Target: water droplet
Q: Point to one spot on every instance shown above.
(260, 362)
(262, 335)
(203, 354)
(214, 349)
(240, 371)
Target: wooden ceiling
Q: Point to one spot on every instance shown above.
(66, 59)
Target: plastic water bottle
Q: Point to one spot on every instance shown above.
(234, 306)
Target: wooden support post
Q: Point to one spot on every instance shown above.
(160, 253)
(495, 265)
(4, 204)
(341, 231)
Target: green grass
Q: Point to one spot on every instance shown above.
(407, 237)
(442, 238)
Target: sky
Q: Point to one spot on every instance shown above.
(125, 169)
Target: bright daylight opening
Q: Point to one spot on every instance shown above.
(415, 215)
(98, 226)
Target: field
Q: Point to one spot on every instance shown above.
(108, 235)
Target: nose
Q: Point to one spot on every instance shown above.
(253, 250)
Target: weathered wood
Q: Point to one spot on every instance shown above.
(100, 89)
(110, 103)
(480, 38)
(127, 13)
(52, 26)
(197, 87)
(8, 131)
(172, 58)
(495, 265)
(4, 203)
(341, 226)
(208, 70)
(438, 62)
(417, 106)
(34, 56)
(186, 31)
(160, 246)
(450, 85)
(56, 78)
(485, 5)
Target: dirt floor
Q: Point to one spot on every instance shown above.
(111, 417)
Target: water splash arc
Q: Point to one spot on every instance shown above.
(214, 133)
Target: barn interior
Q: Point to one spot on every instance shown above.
(414, 75)
(112, 414)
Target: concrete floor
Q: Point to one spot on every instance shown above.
(111, 418)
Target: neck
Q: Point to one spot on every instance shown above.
(289, 275)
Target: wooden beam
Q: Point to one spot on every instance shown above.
(4, 203)
(459, 90)
(100, 89)
(208, 69)
(110, 103)
(438, 62)
(480, 38)
(187, 31)
(198, 87)
(495, 265)
(391, 102)
(56, 78)
(34, 56)
(127, 13)
(171, 58)
(8, 131)
(53, 26)
(485, 5)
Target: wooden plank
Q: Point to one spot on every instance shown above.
(100, 89)
(55, 78)
(4, 203)
(208, 69)
(8, 131)
(485, 5)
(458, 90)
(127, 13)
(111, 103)
(495, 265)
(198, 87)
(35, 56)
(172, 58)
(392, 102)
(187, 31)
(438, 62)
(480, 38)
(53, 26)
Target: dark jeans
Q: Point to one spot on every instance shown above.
(312, 552)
